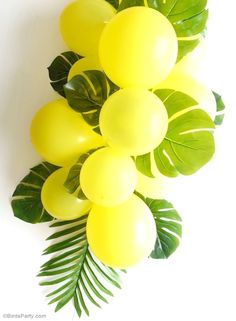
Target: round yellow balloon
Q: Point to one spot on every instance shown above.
(108, 177)
(82, 22)
(87, 63)
(121, 236)
(192, 87)
(138, 47)
(133, 120)
(58, 202)
(60, 135)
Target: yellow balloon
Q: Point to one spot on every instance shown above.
(87, 63)
(121, 236)
(82, 22)
(133, 120)
(60, 135)
(192, 87)
(108, 177)
(58, 202)
(191, 63)
(138, 47)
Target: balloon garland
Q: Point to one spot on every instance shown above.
(131, 113)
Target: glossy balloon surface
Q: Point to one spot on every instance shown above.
(133, 120)
(58, 202)
(138, 47)
(60, 135)
(121, 236)
(82, 23)
(108, 177)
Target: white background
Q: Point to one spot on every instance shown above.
(198, 282)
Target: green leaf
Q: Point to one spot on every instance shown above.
(143, 165)
(220, 109)
(86, 93)
(26, 200)
(188, 17)
(75, 274)
(169, 228)
(60, 68)
(114, 3)
(189, 142)
(72, 182)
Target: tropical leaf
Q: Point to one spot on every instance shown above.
(73, 272)
(59, 70)
(86, 93)
(143, 164)
(220, 109)
(26, 200)
(168, 224)
(114, 3)
(72, 182)
(189, 19)
(189, 142)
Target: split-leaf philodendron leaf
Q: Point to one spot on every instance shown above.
(87, 92)
(189, 142)
(26, 200)
(60, 68)
(220, 112)
(168, 225)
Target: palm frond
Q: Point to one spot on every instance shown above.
(73, 272)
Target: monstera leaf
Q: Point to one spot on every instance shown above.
(60, 68)
(26, 200)
(220, 113)
(188, 17)
(168, 225)
(73, 272)
(86, 93)
(189, 142)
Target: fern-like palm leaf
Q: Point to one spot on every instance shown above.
(74, 273)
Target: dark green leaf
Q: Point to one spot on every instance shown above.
(114, 3)
(143, 164)
(76, 274)
(169, 228)
(60, 68)
(72, 182)
(220, 109)
(26, 199)
(86, 93)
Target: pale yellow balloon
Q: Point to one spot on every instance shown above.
(87, 63)
(133, 120)
(138, 47)
(58, 202)
(121, 236)
(191, 63)
(108, 177)
(192, 87)
(60, 135)
(82, 22)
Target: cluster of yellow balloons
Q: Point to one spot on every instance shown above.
(137, 50)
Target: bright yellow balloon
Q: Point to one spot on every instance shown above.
(192, 87)
(60, 135)
(121, 236)
(82, 23)
(87, 63)
(138, 47)
(58, 202)
(133, 120)
(108, 177)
